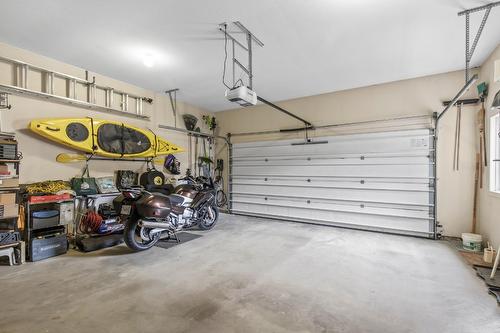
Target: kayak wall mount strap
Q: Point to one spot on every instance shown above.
(150, 161)
(94, 146)
(155, 142)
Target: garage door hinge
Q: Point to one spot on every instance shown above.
(439, 230)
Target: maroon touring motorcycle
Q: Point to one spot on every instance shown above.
(149, 216)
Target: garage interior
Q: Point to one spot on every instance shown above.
(273, 166)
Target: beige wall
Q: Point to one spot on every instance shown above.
(489, 203)
(420, 96)
(39, 155)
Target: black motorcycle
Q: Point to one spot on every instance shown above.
(150, 216)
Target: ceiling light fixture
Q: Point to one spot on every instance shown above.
(148, 60)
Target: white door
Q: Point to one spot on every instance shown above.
(375, 181)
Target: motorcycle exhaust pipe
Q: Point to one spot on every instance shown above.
(159, 225)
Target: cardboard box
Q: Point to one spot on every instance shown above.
(7, 198)
(9, 210)
(9, 182)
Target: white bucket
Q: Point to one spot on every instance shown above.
(472, 242)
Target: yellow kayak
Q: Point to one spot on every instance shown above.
(103, 137)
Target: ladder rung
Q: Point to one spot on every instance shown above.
(20, 80)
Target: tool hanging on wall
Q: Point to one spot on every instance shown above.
(203, 159)
(190, 152)
(482, 90)
(476, 190)
(190, 124)
(196, 162)
(219, 167)
(456, 150)
(206, 161)
(482, 144)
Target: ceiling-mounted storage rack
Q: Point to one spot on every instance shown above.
(469, 50)
(129, 104)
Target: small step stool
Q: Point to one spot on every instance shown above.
(15, 252)
(9, 252)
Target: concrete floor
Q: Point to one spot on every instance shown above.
(253, 275)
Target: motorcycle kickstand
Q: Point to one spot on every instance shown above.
(176, 238)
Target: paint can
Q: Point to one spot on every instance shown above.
(472, 242)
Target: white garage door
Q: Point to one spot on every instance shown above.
(375, 181)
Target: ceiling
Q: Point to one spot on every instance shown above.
(311, 47)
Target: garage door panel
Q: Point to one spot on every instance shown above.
(344, 218)
(355, 161)
(404, 211)
(370, 184)
(348, 144)
(415, 197)
(338, 170)
(376, 181)
(284, 155)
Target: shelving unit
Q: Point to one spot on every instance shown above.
(9, 182)
(9, 191)
(31, 233)
(84, 204)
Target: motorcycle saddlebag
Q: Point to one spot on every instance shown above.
(154, 206)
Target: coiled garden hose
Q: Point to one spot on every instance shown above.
(90, 223)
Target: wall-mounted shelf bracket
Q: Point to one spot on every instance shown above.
(172, 93)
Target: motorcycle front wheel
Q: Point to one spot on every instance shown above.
(208, 220)
(138, 238)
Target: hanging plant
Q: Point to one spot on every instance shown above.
(210, 122)
(205, 160)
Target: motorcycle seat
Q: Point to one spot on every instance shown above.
(175, 200)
